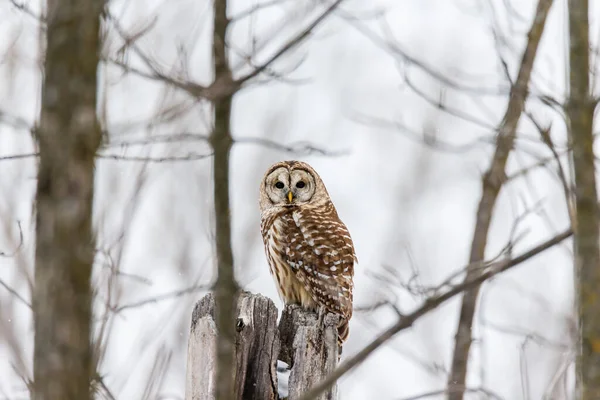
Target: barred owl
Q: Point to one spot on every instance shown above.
(309, 249)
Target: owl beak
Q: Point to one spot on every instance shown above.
(290, 196)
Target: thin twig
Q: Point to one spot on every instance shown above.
(15, 293)
(299, 38)
(192, 88)
(28, 11)
(299, 148)
(159, 298)
(164, 159)
(254, 9)
(493, 180)
(15, 251)
(489, 394)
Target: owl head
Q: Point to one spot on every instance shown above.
(291, 184)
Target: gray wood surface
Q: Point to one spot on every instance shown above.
(201, 358)
(302, 339)
(309, 345)
(257, 347)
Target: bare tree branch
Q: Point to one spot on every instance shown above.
(28, 11)
(14, 293)
(298, 148)
(390, 45)
(164, 159)
(430, 141)
(14, 252)
(255, 8)
(543, 162)
(434, 394)
(428, 305)
(159, 298)
(290, 44)
(192, 88)
(14, 121)
(222, 86)
(545, 134)
(493, 180)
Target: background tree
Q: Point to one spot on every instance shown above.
(580, 113)
(68, 137)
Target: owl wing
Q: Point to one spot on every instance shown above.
(320, 252)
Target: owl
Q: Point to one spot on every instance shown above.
(309, 249)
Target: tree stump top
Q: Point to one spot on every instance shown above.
(307, 344)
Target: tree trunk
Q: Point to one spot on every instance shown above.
(580, 111)
(226, 289)
(68, 138)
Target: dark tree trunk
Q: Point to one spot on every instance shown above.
(587, 257)
(68, 138)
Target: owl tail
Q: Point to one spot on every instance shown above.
(343, 330)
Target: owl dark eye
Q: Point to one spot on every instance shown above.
(279, 185)
(300, 184)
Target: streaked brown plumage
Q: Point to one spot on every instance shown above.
(309, 249)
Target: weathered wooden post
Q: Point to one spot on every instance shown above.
(308, 345)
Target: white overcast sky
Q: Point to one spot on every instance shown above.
(408, 207)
